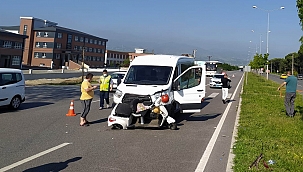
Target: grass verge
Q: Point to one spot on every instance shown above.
(265, 128)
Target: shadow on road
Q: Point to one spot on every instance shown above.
(54, 167)
(200, 117)
(23, 106)
(98, 121)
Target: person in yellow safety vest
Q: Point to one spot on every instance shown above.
(106, 85)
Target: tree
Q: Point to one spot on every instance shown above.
(125, 63)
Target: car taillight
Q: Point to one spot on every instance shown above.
(111, 119)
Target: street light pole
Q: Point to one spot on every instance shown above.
(267, 34)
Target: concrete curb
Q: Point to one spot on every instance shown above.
(230, 163)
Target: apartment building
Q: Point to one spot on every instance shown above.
(53, 46)
(11, 49)
(115, 58)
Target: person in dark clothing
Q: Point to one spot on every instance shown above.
(290, 95)
(225, 85)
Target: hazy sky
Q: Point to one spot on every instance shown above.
(211, 24)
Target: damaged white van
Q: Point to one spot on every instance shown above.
(151, 76)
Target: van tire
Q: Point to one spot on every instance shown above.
(15, 102)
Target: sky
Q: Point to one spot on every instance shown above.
(218, 28)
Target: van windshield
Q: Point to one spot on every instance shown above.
(148, 75)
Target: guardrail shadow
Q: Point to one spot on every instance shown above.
(54, 167)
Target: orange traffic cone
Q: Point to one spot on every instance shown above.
(71, 111)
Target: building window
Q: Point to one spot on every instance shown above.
(103, 43)
(102, 51)
(36, 55)
(18, 45)
(95, 42)
(7, 44)
(94, 58)
(76, 38)
(43, 55)
(91, 41)
(99, 43)
(37, 44)
(80, 48)
(58, 56)
(38, 34)
(25, 30)
(45, 34)
(90, 49)
(16, 60)
(81, 39)
(44, 45)
(59, 35)
(76, 47)
(95, 50)
(80, 57)
(86, 40)
(59, 45)
(99, 50)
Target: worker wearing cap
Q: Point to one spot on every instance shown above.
(106, 85)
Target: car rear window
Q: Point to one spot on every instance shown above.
(9, 78)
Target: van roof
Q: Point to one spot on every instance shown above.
(9, 70)
(160, 60)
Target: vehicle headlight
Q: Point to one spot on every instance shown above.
(157, 95)
(118, 93)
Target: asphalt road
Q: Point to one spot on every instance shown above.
(277, 79)
(40, 137)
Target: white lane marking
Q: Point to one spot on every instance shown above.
(229, 95)
(233, 139)
(213, 95)
(33, 157)
(205, 157)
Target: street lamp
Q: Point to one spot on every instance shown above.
(260, 51)
(268, 31)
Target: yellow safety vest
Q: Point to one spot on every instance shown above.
(104, 83)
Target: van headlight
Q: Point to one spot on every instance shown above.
(158, 94)
(118, 93)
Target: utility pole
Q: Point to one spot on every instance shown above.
(194, 53)
(292, 64)
(83, 53)
(209, 58)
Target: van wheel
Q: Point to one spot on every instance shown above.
(15, 103)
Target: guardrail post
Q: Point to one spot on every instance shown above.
(30, 71)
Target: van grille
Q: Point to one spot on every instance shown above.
(127, 98)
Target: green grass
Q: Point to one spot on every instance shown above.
(265, 128)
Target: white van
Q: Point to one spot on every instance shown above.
(177, 76)
(12, 87)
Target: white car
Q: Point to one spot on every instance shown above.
(12, 87)
(115, 77)
(215, 81)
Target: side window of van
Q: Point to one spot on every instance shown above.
(9, 78)
(189, 79)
